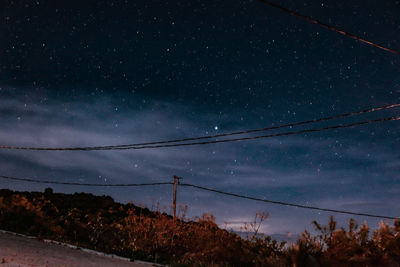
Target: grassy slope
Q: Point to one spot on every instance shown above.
(99, 223)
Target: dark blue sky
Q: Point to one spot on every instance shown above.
(113, 72)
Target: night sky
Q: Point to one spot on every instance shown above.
(81, 73)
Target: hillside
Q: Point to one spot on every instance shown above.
(99, 223)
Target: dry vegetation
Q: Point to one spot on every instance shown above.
(127, 230)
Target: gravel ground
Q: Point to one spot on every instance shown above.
(18, 250)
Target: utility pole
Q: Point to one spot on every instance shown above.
(176, 182)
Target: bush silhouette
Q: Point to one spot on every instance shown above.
(97, 222)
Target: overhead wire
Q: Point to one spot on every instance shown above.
(201, 188)
(286, 203)
(226, 140)
(329, 27)
(81, 184)
(268, 136)
(167, 143)
(337, 116)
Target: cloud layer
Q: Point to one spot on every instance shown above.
(327, 171)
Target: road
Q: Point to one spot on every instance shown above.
(17, 250)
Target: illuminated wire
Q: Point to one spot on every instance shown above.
(329, 27)
(286, 203)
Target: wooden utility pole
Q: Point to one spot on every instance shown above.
(176, 182)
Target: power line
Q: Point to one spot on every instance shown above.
(201, 188)
(286, 203)
(337, 116)
(215, 141)
(270, 135)
(80, 184)
(163, 143)
(266, 136)
(329, 27)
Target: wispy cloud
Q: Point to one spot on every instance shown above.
(301, 169)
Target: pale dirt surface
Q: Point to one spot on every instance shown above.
(24, 251)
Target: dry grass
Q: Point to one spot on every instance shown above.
(127, 230)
